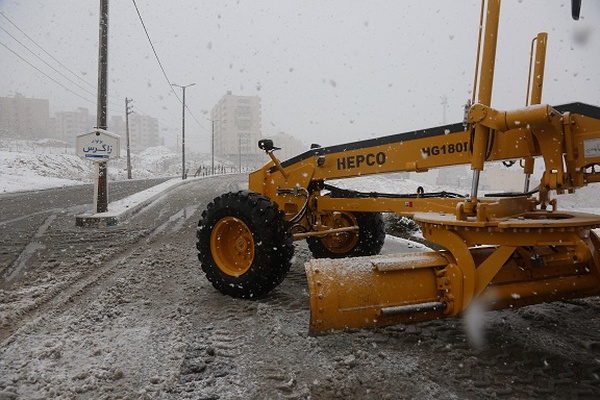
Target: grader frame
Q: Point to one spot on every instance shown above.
(508, 250)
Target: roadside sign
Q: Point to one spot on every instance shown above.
(98, 145)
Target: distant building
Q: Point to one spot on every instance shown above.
(68, 124)
(143, 131)
(24, 118)
(498, 178)
(457, 176)
(289, 145)
(237, 126)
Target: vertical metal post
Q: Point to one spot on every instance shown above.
(127, 112)
(212, 162)
(240, 154)
(101, 188)
(183, 174)
(539, 66)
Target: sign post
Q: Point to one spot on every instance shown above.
(99, 146)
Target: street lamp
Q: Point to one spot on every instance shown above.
(246, 137)
(128, 110)
(212, 150)
(183, 174)
(212, 144)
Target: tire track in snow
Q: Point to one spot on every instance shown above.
(177, 221)
(62, 295)
(21, 218)
(85, 276)
(87, 283)
(34, 245)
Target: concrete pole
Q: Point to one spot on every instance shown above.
(212, 162)
(183, 87)
(101, 188)
(127, 112)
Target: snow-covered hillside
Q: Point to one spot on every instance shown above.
(46, 164)
(27, 165)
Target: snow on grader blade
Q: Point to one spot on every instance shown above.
(535, 258)
(506, 250)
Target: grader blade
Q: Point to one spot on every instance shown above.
(363, 292)
(375, 291)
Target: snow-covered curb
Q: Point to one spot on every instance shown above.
(120, 210)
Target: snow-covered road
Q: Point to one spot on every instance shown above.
(125, 312)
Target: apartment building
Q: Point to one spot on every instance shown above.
(237, 126)
(143, 131)
(24, 118)
(68, 124)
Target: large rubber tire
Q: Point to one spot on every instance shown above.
(244, 244)
(368, 241)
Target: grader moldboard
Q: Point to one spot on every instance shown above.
(510, 249)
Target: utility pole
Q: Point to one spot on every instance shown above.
(183, 174)
(128, 110)
(212, 144)
(240, 153)
(101, 189)
(212, 154)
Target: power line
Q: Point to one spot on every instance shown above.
(47, 64)
(113, 103)
(194, 117)
(44, 61)
(94, 87)
(73, 73)
(46, 75)
(50, 55)
(161, 66)
(154, 50)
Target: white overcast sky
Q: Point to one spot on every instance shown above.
(326, 71)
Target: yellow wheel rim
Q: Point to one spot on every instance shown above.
(341, 242)
(232, 246)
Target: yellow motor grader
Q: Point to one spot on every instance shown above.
(509, 249)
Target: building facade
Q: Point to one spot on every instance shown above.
(143, 131)
(24, 118)
(289, 145)
(237, 126)
(68, 124)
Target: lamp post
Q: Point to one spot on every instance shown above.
(212, 143)
(128, 110)
(212, 152)
(240, 153)
(183, 174)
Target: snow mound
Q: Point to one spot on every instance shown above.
(29, 171)
(43, 164)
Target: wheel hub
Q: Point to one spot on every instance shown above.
(232, 246)
(344, 241)
(240, 244)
